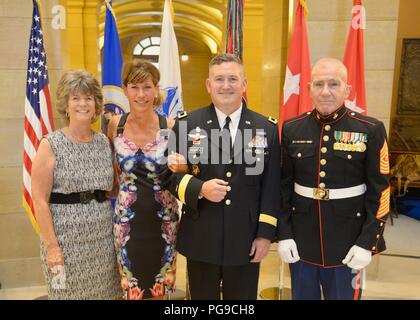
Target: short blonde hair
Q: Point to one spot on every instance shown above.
(137, 71)
(78, 81)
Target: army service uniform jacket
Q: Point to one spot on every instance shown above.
(222, 233)
(335, 191)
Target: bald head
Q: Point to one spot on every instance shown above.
(328, 87)
(330, 65)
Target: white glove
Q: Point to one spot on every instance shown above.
(288, 251)
(357, 258)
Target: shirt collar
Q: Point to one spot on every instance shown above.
(333, 117)
(234, 117)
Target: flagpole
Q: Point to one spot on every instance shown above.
(291, 16)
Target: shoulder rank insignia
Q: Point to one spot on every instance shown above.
(182, 115)
(272, 120)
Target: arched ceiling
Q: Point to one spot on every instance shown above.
(196, 20)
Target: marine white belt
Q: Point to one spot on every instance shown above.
(328, 194)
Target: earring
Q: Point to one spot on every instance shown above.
(67, 114)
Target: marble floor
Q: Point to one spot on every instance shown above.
(392, 275)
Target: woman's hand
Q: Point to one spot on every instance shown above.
(54, 257)
(177, 163)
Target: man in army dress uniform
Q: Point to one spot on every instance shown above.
(335, 191)
(231, 191)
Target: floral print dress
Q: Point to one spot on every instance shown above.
(145, 217)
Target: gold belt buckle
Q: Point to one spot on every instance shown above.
(321, 194)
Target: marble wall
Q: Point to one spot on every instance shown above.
(328, 26)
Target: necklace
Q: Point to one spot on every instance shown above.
(78, 140)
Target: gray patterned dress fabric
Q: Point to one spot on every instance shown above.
(84, 231)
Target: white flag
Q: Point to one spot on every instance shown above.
(169, 66)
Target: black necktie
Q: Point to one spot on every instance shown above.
(227, 135)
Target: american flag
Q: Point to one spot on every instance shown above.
(38, 113)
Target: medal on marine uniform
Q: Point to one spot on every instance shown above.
(350, 141)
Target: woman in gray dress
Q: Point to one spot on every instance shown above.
(71, 172)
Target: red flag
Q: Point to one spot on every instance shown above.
(296, 98)
(354, 59)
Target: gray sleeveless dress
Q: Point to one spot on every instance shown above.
(84, 231)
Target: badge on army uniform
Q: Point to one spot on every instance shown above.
(259, 142)
(195, 170)
(350, 141)
(197, 136)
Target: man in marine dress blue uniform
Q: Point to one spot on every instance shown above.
(231, 194)
(335, 191)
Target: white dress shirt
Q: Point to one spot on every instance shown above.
(234, 123)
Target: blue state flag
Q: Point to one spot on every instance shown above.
(115, 101)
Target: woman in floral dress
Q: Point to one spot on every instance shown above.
(146, 215)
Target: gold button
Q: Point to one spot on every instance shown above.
(299, 155)
(382, 224)
(228, 174)
(335, 116)
(358, 214)
(230, 161)
(349, 156)
(322, 174)
(323, 162)
(327, 127)
(228, 188)
(322, 185)
(325, 138)
(324, 150)
(293, 208)
(374, 248)
(378, 236)
(228, 202)
(308, 112)
(353, 114)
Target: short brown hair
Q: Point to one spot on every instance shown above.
(225, 57)
(78, 81)
(137, 71)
